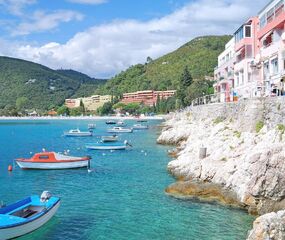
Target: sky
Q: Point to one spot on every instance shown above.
(103, 37)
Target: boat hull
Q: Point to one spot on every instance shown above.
(78, 134)
(25, 228)
(120, 131)
(123, 147)
(52, 165)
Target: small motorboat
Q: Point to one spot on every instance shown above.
(140, 127)
(111, 122)
(113, 138)
(27, 215)
(91, 126)
(108, 146)
(120, 130)
(121, 123)
(77, 133)
(52, 160)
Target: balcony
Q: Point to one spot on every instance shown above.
(242, 43)
(277, 22)
(270, 50)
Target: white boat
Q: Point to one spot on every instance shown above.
(27, 215)
(121, 123)
(77, 133)
(139, 127)
(113, 138)
(52, 160)
(91, 126)
(108, 146)
(120, 130)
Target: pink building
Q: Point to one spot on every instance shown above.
(246, 48)
(259, 53)
(271, 37)
(148, 97)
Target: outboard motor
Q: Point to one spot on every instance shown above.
(46, 195)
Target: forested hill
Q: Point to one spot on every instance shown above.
(88, 85)
(200, 55)
(36, 86)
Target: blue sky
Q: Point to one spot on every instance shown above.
(104, 37)
(92, 14)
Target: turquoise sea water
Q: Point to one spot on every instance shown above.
(123, 198)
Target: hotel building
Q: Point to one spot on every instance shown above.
(258, 57)
(90, 103)
(148, 97)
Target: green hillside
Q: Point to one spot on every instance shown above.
(88, 85)
(200, 55)
(39, 86)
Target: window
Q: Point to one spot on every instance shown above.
(274, 64)
(266, 70)
(270, 15)
(279, 8)
(239, 35)
(262, 21)
(247, 30)
(44, 157)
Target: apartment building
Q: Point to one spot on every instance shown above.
(148, 97)
(259, 55)
(271, 36)
(224, 72)
(90, 103)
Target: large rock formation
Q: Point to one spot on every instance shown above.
(269, 226)
(245, 158)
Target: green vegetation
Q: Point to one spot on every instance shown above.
(198, 57)
(259, 125)
(237, 134)
(281, 128)
(27, 85)
(218, 120)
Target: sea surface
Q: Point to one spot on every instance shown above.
(123, 198)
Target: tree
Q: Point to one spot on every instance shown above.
(21, 103)
(105, 109)
(82, 108)
(186, 78)
(63, 110)
(149, 59)
(185, 82)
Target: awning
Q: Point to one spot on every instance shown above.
(267, 34)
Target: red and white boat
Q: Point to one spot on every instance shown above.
(52, 160)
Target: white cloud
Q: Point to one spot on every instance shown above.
(16, 7)
(41, 21)
(95, 2)
(109, 48)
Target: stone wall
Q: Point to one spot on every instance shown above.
(245, 113)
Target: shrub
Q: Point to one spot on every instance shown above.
(218, 120)
(259, 125)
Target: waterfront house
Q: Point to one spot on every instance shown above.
(259, 57)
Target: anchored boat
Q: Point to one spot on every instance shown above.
(120, 130)
(77, 133)
(27, 215)
(108, 146)
(52, 160)
(140, 127)
(121, 123)
(111, 122)
(113, 138)
(91, 126)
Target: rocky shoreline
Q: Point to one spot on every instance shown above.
(245, 161)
